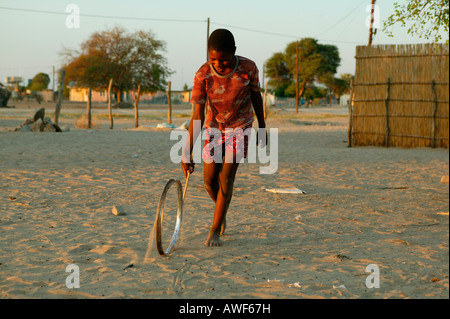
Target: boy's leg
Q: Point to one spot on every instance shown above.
(225, 182)
(211, 181)
(211, 178)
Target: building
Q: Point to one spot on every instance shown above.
(181, 96)
(344, 99)
(78, 94)
(47, 95)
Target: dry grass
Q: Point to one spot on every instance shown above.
(82, 123)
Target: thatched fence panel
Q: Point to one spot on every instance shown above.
(400, 96)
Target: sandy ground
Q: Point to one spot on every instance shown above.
(363, 206)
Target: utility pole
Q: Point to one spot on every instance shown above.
(60, 94)
(296, 78)
(207, 39)
(53, 82)
(372, 10)
(169, 102)
(89, 108)
(207, 59)
(264, 72)
(111, 120)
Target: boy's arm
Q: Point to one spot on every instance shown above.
(257, 103)
(259, 112)
(194, 132)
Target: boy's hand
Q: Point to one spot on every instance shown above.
(188, 166)
(261, 137)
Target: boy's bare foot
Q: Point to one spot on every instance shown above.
(213, 239)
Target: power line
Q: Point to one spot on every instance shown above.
(101, 16)
(342, 19)
(179, 20)
(27, 67)
(257, 31)
(277, 34)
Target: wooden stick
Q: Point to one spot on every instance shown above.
(265, 100)
(109, 105)
(186, 186)
(169, 102)
(402, 115)
(401, 135)
(350, 109)
(296, 78)
(371, 22)
(398, 56)
(399, 83)
(136, 102)
(433, 127)
(401, 100)
(386, 141)
(89, 106)
(60, 94)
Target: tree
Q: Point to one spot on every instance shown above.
(130, 59)
(40, 82)
(336, 86)
(313, 92)
(348, 78)
(279, 75)
(66, 90)
(427, 18)
(340, 87)
(315, 60)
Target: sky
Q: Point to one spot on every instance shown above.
(33, 33)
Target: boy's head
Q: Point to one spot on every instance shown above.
(222, 40)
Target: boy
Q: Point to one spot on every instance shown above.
(230, 85)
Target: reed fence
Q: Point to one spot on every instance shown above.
(400, 96)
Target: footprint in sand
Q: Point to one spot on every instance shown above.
(106, 249)
(80, 248)
(119, 252)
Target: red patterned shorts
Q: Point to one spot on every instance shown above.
(218, 143)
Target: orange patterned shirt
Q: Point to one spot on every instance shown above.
(229, 96)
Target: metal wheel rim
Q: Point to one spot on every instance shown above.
(159, 217)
